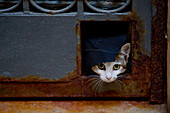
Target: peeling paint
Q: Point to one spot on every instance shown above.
(140, 30)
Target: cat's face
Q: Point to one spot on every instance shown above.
(109, 71)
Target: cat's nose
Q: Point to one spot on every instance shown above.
(108, 78)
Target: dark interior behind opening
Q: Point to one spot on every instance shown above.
(105, 30)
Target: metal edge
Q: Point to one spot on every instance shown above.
(107, 11)
(11, 8)
(52, 11)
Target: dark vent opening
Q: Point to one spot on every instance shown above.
(101, 38)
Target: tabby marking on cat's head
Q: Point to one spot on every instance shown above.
(109, 71)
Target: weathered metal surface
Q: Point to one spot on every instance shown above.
(143, 10)
(137, 81)
(38, 46)
(11, 7)
(54, 11)
(72, 88)
(59, 36)
(168, 57)
(158, 41)
(80, 107)
(105, 5)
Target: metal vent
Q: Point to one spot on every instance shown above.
(107, 6)
(8, 5)
(53, 6)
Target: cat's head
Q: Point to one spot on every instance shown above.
(109, 71)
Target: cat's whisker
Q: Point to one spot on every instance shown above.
(112, 84)
(95, 80)
(94, 76)
(90, 79)
(101, 86)
(119, 76)
(118, 86)
(115, 85)
(120, 82)
(109, 69)
(96, 85)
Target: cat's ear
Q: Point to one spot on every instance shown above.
(126, 50)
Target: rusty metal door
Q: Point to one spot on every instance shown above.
(41, 47)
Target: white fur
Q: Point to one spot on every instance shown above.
(109, 74)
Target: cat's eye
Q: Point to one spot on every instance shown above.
(116, 67)
(101, 66)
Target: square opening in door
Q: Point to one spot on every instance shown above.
(101, 41)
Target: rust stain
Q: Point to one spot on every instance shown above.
(36, 78)
(79, 48)
(69, 77)
(81, 107)
(139, 26)
(67, 86)
(44, 89)
(28, 78)
(137, 82)
(158, 44)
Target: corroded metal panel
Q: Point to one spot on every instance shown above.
(158, 43)
(137, 81)
(47, 48)
(37, 46)
(168, 58)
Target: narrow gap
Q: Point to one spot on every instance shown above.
(75, 99)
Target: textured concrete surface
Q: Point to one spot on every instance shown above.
(80, 107)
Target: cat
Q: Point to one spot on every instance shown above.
(110, 71)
